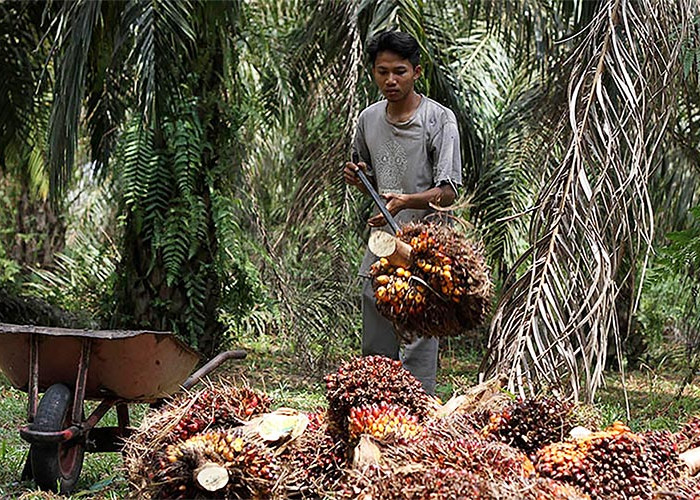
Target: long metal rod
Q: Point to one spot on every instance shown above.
(81, 382)
(211, 366)
(33, 388)
(122, 416)
(378, 200)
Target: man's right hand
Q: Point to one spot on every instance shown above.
(351, 177)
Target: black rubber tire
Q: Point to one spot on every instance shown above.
(56, 466)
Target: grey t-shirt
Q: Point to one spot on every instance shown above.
(408, 157)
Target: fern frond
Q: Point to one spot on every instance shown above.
(185, 140)
(175, 243)
(138, 159)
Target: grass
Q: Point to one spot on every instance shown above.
(101, 476)
(273, 369)
(652, 397)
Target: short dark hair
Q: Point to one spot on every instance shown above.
(397, 42)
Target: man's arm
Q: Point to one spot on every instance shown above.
(441, 196)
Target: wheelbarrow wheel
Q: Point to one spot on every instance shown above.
(56, 466)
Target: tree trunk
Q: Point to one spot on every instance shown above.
(144, 298)
(40, 232)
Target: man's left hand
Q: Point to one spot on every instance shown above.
(395, 203)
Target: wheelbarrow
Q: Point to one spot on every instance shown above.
(72, 366)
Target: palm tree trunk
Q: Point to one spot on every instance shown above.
(40, 232)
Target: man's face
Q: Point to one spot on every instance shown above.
(394, 76)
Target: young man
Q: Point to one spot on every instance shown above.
(409, 146)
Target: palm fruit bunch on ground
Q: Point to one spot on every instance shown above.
(611, 464)
(312, 463)
(530, 423)
(416, 483)
(662, 455)
(689, 435)
(686, 488)
(429, 482)
(252, 468)
(371, 380)
(218, 405)
(219, 408)
(471, 453)
(446, 290)
(384, 422)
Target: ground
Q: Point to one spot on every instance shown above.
(652, 401)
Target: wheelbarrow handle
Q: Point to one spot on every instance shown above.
(377, 199)
(211, 365)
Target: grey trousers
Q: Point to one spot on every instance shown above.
(419, 357)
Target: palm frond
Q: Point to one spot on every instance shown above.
(75, 24)
(325, 149)
(20, 99)
(552, 324)
(531, 30)
(107, 93)
(163, 34)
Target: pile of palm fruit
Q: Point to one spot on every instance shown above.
(176, 437)
(382, 436)
(613, 463)
(444, 292)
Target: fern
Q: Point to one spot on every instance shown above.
(195, 287)
(158, 196)
(186, 142)
(137, 160)
(175, 243)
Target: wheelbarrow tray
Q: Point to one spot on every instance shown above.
(136, 365)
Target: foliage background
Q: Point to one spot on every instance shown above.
(176, 165)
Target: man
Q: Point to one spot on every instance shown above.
(408, 145)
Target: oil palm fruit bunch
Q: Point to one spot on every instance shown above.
(383, 421)
(372, 379)
(689, 435)
(217, 405)
(662, 455)
(471, 454)
(454, 426)
(686, 488)
(313, 462)
(431, 482)
(250, 467)
(549, 489)
(445, 292)
(220, 405)
(611, 464)
(416, 483)
(530, 423)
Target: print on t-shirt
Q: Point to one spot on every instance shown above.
(391, 167)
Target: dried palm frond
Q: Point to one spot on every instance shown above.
(552, 324)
